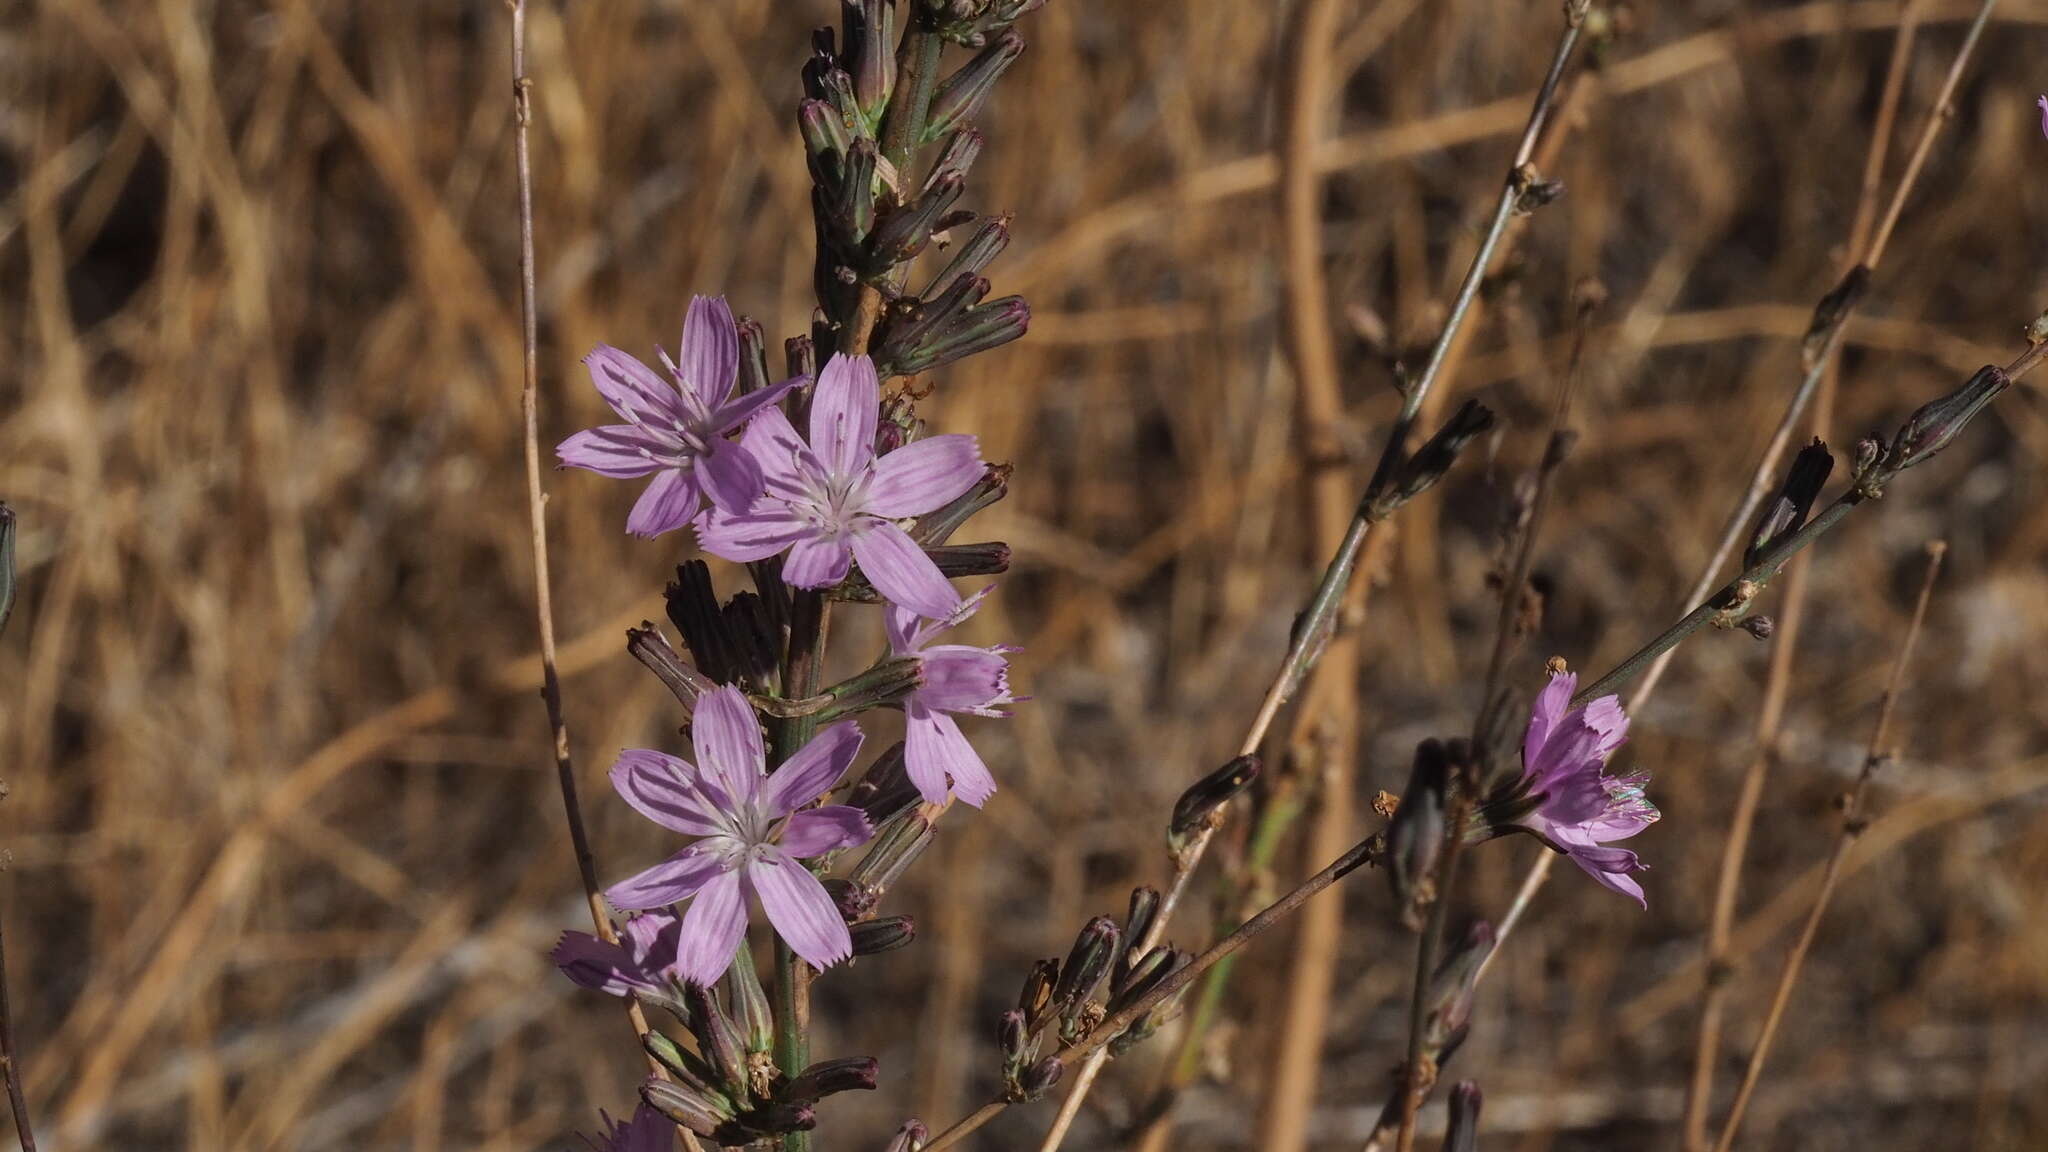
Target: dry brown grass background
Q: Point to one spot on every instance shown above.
(286, 849)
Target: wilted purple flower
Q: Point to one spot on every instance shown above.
(832, 500)
(647, 1131)
(751, 836)
(676, 432)
(1564, 796)
(641, 962)
(954, 678)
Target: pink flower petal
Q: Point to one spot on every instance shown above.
(816, 831)
(784, 457)
(633, 389)
(901, 571)
(620, 451)
(657, 785)
(731, 476)
(958, 678)
(817, 562)
(923, 475)
(713, 927)
(738, 412)
(728, 742)
(845, 407)
(591, 963)
(674, 879)
(800, 908)
(814, 769)
(1551, 705)
(936, 754)
(668, 503)
(711, 350)
(749, 536)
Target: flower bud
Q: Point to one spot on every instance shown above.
(1205, 797)
(918, 318)
(991, 325)
(800, 358)
(719, 1039)
(1416, 835)
(756, 640)
(1463, 1135)
(1787, 511)
(883, 683)
(1148, 973)
(648, 646)
(684, 1105)
(780, 1117)
(1086, 965)
(905, 232)
(1760, 627)
(896, 847)
(884, 791)
(1935, 424)
(853, 206)
(753, 357)
(1450, 989)
(825, 136)
(956, 156)
(693, 609)
(885, 934)
(754, 1020)
(1013, 1036)
(871, 38)
(1041, 1078)
(1422, 470)
(909, 1138)
(830, 1077)
(688, 1068)
(974, 255)
(1138, 921)
(934, 528)
(960, 96)
(838, 86)
(1036, 996)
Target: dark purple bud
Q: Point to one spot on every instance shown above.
(934, 528)
(753, 356)
(1151, 969)
(909, 1138)
(1760, 627)
(992, 325)
(871, 38)
(823, 59)
(1012, 1036)
(1935, 424)
(1450, 989)
(854, 901)
(693, 608)
(905, 232)
(1786, 512)
(753, 1018)
(853, 208)
(961, 95)
(1088, 962)
(829, 1078)
(1138, 922)
(648, 646)
(755, 638)
(884, 934)
(1422, 470)
(1829, 314)
(720, 1042)
(1463, 1135)
(780, 1117)
(915, 320)
(1416, 834)
(825, 136)
(839, 94)
(956, 156)
(1042, 1077)
(973, 256)
(684, 1105)
(884, 791)
(1205, 797)
(1035, 999)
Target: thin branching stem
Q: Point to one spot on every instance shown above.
(536, 507)
(1854, 821)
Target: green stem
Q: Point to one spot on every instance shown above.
(917, 77)
(802, 665)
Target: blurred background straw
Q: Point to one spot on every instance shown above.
(286, 847)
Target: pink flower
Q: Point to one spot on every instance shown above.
(676, 433)
(832, 501)
(641, 962)
(954, 678)
(751, 836)
(647, 1131)
(1571, 804)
